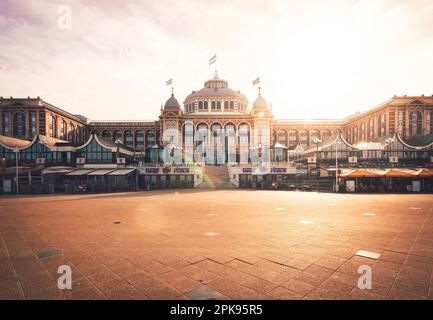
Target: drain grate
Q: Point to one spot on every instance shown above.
(204, 293)
(46, 254)
(117, 222)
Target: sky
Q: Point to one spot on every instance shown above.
(316, 59)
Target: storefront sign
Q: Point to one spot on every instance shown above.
(279, 170)
(350, 185)
(247, 170)
(151, 170)
(181, 170)
(416, 186)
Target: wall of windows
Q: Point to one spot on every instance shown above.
(95, 153)
(19, 124)
(5, 123)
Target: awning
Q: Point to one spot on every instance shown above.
(79, 172)
(423, 173)
(399, 173)
(360, 173)
(100, 172)
(121, 172)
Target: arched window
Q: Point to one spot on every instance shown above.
(84, 133)
(106, 134)
(139, 140)
(150, 138)
(415, 123)
(303, 136)
(314, 134)
(282, 137)
(226, 104)
(381, 125)
(5, 123)
(205, 105)
(213, 105)
(53, 126)
(78, 135)
(128, 138)
(71, 133)
(244, 134)
(326, 134)
(370, 130)
(293, 137)
(19, 124)
(63, 130)
(33, 123)
(218, 104)
(117, 135)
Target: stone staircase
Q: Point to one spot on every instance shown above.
(216, 177)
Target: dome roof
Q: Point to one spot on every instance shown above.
(260, 103)
(217, 88)
(216, 92)
(172, 103)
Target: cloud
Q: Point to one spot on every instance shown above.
(316, 59)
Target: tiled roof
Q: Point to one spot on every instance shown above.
(51, 142)
(11, 142)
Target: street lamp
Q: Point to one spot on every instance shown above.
(16, 150)
(389, 141)
(336, 165)
(317, 141)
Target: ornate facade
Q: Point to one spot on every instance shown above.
(216, 107)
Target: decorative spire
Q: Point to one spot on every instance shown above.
(216, 74)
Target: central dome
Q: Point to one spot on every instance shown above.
(216, 96)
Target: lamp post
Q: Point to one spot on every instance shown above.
(317, 141)
(336, 165)
(16, 150)
(389, 141)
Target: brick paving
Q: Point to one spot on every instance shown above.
(159, 249)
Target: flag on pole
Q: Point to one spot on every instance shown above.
(212, 60)
(169, 82)
(256, 81)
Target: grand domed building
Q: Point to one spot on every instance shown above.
(127, 155)
(218, 108)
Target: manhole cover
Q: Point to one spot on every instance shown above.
(204, 293)
(46, 254)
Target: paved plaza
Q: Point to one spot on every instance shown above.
(216, 244)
